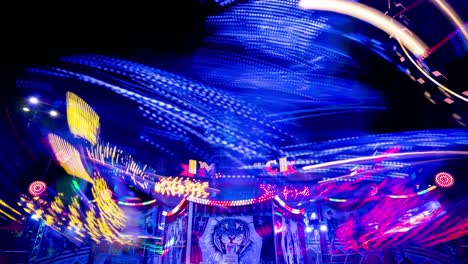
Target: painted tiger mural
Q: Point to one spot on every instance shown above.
(230, 237)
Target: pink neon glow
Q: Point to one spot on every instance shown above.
(185, 170)
(444, 179)
(36, 188)
(293, 193)
(381, 221)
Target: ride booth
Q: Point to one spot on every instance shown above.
(223, 232)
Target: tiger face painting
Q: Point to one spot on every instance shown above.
(232, 236)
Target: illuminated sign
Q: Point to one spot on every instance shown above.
(284, 167)
(272, 168)
(190, 170)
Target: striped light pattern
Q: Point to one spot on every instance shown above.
(277, 53)
(82, 119)
(404, 196)
(227, 203)
(68, 157)
(176, 209)
(137, 204)
(287, 207)
(124, 164)
(370, 156)
(184, 107)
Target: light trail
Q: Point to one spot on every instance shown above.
(373, 17)
(390, 155)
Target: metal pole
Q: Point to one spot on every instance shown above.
(273, 222)
(189, 234)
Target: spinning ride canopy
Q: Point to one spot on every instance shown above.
(278, 98)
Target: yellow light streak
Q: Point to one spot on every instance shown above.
(8, 215)
(9, 207)
(108, 209)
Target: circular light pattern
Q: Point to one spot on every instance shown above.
(36, 188)
(444, 179)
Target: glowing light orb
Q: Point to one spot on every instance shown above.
(36, 188)
(444, 179)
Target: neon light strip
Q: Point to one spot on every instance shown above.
(413, 194)
(82, 120)
(426, 191)
(287, 207)
(68, 157)
(262, 198)
(142, 236)
(137, 204)
(401, 196)
(337, 200)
